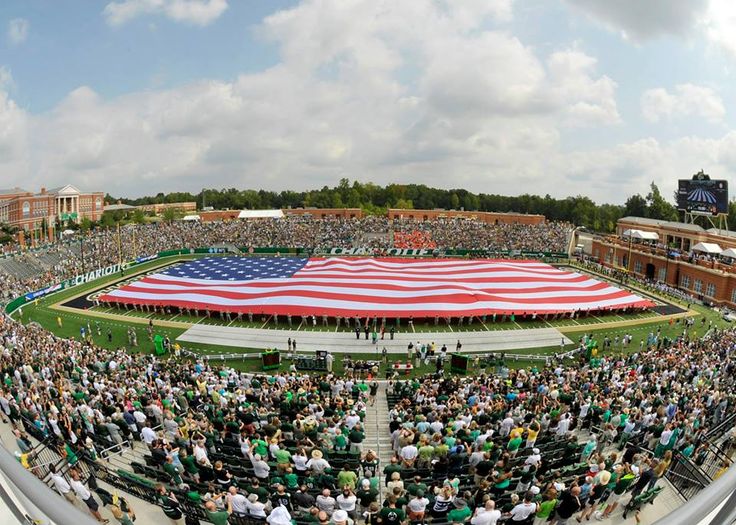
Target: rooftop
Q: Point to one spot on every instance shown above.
(13, 191)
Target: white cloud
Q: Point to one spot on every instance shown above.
(357, 92)
(719, 24)
(639, 20)
(195, 12)
(18, 31)
(586, 100)
(687, 100)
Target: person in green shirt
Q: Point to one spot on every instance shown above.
(356, 437)
(347, 478)
(291, 479)
(460, 513)
(260, 447)
(547, 507)
(514, 444)
(189, 464)
(341, 442)
(416, 486)
(283, 458)
(261, 492)
(391, 515)
(218, 517)
(392, 467)
(171, 469)
(624, 480)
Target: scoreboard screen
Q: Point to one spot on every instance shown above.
(702, 196)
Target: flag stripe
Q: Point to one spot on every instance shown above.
(374, 287)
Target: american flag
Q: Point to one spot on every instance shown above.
(373, 287)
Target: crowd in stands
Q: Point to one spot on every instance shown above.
(653, 285)
(577, 440)
(100, 248)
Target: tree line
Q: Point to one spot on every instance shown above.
(375, 199)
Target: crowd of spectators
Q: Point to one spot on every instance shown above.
(100, 248)
(582, 439)
(653, 285)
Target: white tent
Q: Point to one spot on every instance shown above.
(641, 235)
(707, 247)
(731, 252)
(260, 214)
(191, 218)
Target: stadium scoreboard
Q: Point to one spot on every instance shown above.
(702, 195)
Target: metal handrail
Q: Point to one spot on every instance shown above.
(35, 491)
(707, 500)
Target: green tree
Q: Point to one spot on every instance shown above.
(659, 208)
(169, 215)
(454, 201)
(404, 204)
(138, 216)
(636, 206)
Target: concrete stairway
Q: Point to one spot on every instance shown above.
(377, 436)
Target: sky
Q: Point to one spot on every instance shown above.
(559, 97)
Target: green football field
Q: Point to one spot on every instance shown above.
(114, 324)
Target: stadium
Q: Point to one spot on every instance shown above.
(321, 262)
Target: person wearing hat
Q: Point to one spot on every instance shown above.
(624, 479)
(534, 459)
(279, 516)
(460, 513)
(317, 464)
(255, 507)
(600, 483)
(366, 494)
(341, 517)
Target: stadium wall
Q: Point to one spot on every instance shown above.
(708, 280)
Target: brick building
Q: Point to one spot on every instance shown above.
(29, 211)
(670, 260)
(488, 217)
